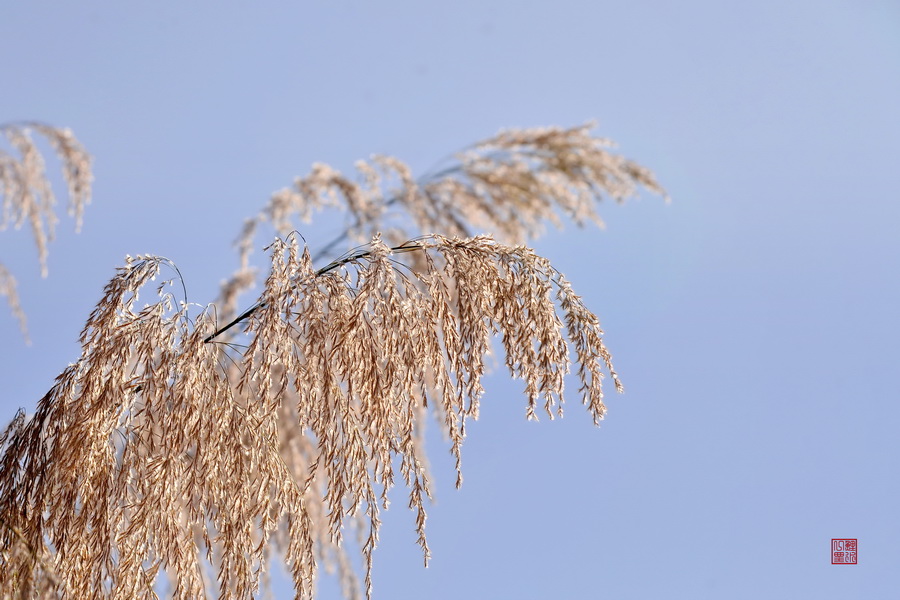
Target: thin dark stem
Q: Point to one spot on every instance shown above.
(408, 246)
(327, 248)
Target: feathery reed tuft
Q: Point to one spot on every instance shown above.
(27, 195)
(150, 456)
(509, 185)
(170, 458)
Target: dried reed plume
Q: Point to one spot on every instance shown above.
(27, 195)
(167, 459)
(509, 185)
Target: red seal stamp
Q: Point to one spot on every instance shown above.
(843, 551)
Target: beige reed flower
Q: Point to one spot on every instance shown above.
(170, 458)
(27, 195)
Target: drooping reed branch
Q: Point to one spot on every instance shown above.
(152, 457)
(509, 185)
(27, 195)
(8, 289)
(161, 456)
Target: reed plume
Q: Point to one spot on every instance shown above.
(168, 459)
(27, 195)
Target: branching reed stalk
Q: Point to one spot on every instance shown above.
(167, 457)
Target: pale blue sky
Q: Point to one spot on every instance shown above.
(753, 320)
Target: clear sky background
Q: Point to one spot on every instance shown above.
(754, 320)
